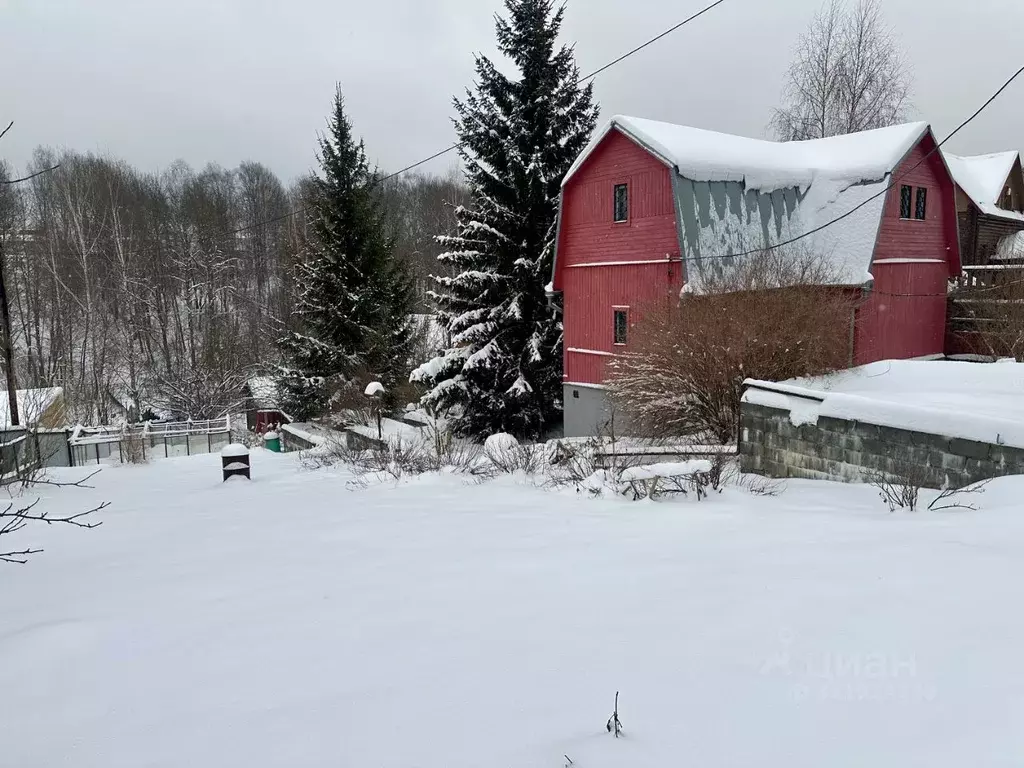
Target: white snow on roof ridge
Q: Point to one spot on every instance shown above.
(702, 155)
(982, 177)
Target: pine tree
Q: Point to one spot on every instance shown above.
(355, 298)
(518, 140)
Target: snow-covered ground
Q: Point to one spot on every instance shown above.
(292, 622)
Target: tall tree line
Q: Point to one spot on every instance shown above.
(135, 290)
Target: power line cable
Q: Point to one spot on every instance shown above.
(964, 124)
(457, 146)
(584, 79)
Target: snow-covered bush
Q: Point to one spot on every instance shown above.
(507, 456)
(654, 481)
(773, 317)
(434, 450)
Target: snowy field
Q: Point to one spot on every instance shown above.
(292, 623)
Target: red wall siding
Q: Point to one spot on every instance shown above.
(591, 295)
(935, 237)
(893, 327)
(891, 324)
(588, 235)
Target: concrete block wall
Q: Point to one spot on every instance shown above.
(839, 449)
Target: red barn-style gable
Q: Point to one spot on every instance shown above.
(650, 207)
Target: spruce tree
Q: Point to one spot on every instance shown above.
(518, 139)
(354, 299)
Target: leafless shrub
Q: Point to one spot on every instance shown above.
(434, 451)
(769, 317)
(511, 459)
(953, 498)
(900, 489)
(755, 485)
(133, 448)
(762, 486)
(575, 463)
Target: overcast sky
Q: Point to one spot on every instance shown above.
(223, 81)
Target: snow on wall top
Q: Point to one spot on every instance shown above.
(982, 177)
(763, 165)
(973, 401)
(32, 404)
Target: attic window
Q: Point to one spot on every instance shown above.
(921, 208)
(906, 199)
(621, 203)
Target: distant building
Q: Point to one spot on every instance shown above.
(44, 408)
(990, 209)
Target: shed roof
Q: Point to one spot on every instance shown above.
(983, 178)
(263, 390)
(32, 404)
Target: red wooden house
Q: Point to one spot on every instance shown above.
(650, 207)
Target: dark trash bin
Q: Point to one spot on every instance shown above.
(235, 461)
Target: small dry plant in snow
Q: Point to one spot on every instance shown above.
(433, 451)
(901, 490)
(507, 456)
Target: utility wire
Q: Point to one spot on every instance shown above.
(443, 152)
(768, 248)
(964, 124)
(584, 79)
(652, 41)
(455, 147)
(30, 176)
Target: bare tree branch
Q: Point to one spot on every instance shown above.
(848, 74)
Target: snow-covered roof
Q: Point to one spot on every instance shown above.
(1010, 248)
(764, 165)
(263, 390)
(797, 187)
(982, 177)
(32, 404)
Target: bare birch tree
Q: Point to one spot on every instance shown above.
(135, 291)
(848, 74)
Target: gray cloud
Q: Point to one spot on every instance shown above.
(228, 80)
